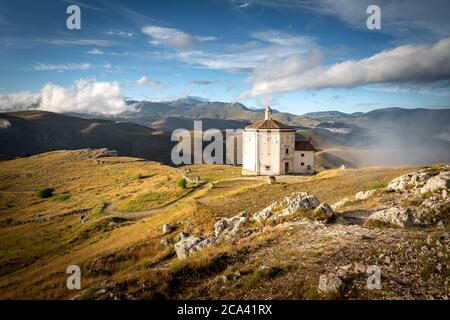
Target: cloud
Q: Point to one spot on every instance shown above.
(18, 101)
(172, 37)
(404, 64)
(85, 96)
(144, 80)
(244, 57)
(62, 67)
(399, 17)
(123, 34)
(205, 82)
(96, 51)
(80, 42)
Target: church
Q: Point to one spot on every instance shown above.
(269, 149)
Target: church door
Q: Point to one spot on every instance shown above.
(286, 168)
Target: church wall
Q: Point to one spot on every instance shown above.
(249, 152)
(269, 152)
(287, 144)
(307, 160)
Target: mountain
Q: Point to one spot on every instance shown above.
(33, 132)
(326, 114)
(195, 109)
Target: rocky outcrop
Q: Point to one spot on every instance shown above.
(402, 217)
(437, 183)
(192, 244)
(409, 180)
(229, 227)
(364, 195)
(290, 204)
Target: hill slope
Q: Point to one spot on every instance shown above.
(33, 132)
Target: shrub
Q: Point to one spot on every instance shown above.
(45, 193)
(182, 183)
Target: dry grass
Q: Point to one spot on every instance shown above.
(34, 256)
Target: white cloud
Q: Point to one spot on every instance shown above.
(123, 34)
(18, 101)
(62, 67)
(81, 42)
(172, 37)
(399, 17)
(96, 51)
(404, 64)
(243, 57)
(85, 96)
(144, 80)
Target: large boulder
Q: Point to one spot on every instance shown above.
(437, 183)
(229, 227)
(192, 244)
(402, 217)
(330, 286)
(290, 204)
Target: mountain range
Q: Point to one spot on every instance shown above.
(405, 135)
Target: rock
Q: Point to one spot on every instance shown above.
(167, 228)
(224, 279)
(181, 236)
(364, 195)
(192, 244)
(164, 242)
(437, 183)
(184, 246)
(444, 194)
(324, 212)
(290, 204)
(409, 180)
(237, 275)
(272, 180)
(229, 227)
(330, 285)
(340, 203)
(402, 217)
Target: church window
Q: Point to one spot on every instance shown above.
(303, 154)
(302, 163)
(267, 168)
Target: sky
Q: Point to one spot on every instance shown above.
(298, 56)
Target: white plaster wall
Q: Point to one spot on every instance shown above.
(269, 152)
(249, 151)
(287, 142)
(307, 159)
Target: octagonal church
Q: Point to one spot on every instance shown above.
(269, 148)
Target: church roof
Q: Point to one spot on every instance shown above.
(269, 124)
(304, 146)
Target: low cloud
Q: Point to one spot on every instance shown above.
(18, 101)
(85, 96)
(171, 37)
(413, 64)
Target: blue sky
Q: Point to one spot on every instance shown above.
(299, 56)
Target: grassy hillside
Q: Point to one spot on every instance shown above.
(106, 215)
(33, 132)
